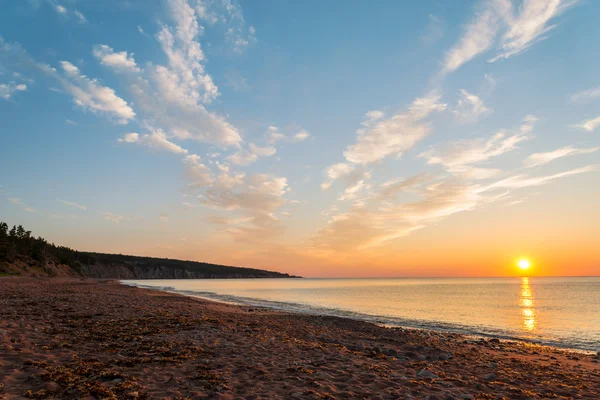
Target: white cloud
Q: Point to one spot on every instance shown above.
(470, 108)
(458, 156)
(155, 140)
(434, 30)
(584, 96)
(73, 204)
(273, 135)
(478, 37)
(198, 173)
(15, 200)
(256, 197)
(7, 90)
(89, 94)
(80, 17)
(590, 124)
(174, 96)
(301, 136)
(334, 172)
(530, 25)
(112, 217)
(537, 159)
(518, 28)
(120, 61)
(250, 155)
(521, 181)
(129, 138)
(60, 9)
(380, 138)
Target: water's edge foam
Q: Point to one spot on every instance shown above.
(472, 331)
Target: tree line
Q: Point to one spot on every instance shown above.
(17, 243)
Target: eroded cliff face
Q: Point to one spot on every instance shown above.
(133, 268)
(155, 272)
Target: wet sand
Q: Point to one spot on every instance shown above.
(92, 339)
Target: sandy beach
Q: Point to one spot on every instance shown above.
(96, 339)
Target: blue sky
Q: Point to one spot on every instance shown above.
(280, 133)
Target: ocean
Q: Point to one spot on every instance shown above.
(562, 312)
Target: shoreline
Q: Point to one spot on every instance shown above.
(91, 339)
(297, 308)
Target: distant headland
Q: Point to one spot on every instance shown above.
(22, 254)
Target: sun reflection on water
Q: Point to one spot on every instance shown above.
(526, 303)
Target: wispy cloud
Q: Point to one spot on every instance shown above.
(381, 137)
(459, 156)
(91, 95)
(73, 204)
(470, 108)
(515, 28)
(590, 124)
(156, 140)
(8, 89)
(251, 154)
(537, 159)
(585, 96)
(112, 217)
(528, 25)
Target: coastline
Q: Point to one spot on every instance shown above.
(66, 338)
(473, 331)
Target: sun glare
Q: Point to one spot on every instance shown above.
(524, 264)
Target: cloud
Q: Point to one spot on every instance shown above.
(478, 35)
(155, 140)
(60, 9)
(529, 26)
(590, 124)
(458, 156)
(301, 136)
(129, 138)
(120, 61)
(87, 93)
(384, 217)
(256, 197)
(80, 17)
(354, 179)
(434, 30)
(15, 200)
(585, 96)
(274, 135)
(174, 96)
(198, 173)
(522, 181)
(250, 155)
(380, 138)
(229, 13)
(470, 108)
(537, 159)
(112, 217)
(7, 90)
(515, 28)
(90, 95)
(73, 204)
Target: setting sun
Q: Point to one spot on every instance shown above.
(524, 264)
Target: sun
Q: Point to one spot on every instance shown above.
(524, 264)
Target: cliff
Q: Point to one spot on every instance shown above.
(24, 255)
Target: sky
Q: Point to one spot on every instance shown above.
(322, 139)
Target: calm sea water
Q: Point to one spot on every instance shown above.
(562, 312)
